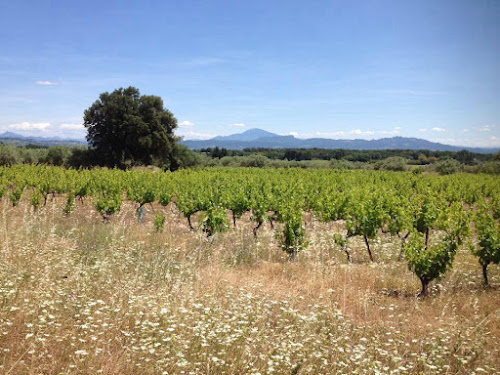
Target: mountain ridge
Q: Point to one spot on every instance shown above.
(21, 140)
(248, 139)
(258, 138)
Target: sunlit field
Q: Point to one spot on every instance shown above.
(83, 296)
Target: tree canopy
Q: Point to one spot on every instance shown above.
(125, 128)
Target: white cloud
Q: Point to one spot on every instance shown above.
(72, 126)
(46, 83)
(238, 125)
(30, 126)
(468, 142)
(347, 134)
(186, 124)
(395, 131)
(438, 130)
(189, 134)
(486, 128)
(362, 132)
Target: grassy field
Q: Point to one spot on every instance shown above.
(79, 296)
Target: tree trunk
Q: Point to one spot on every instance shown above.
(403, 244)
(427, 231)
(349, 259)
(234, 220)
(140, 212)
(485, 273)
(190, 225)
(368, 247)
(256, 229)
(294, 255)
(425, 288)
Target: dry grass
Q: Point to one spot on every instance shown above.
(78, 296)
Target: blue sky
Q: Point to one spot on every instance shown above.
(333, 69)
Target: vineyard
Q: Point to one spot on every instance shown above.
(314, 223)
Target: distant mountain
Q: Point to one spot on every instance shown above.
(11, 135)
(257, 138)
(249, 135)
(21, 140)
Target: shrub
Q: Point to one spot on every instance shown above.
(258, 161)
(8, 156)
(448, 166)
(393, 163)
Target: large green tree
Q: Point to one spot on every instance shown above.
(126, 128)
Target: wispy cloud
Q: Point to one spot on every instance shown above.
(492, 141)
(486, 128)
(238, 125)
(438, 130)
(362, 132)
(186, 124)
(30, 126)
(347, 134)
(395, 131)
(46, 83)
(435, 130)
(189, 134)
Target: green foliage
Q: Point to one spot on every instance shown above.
(108, 204)
(425, 212)
(489, 167)
(36, 199)
(128, 129)
(214, 220)
(447, 166)
(15, 195)
(159, 221)
(8, 155)
(366, 218)
(257, 161)
(429, 263)
(292, 237)
(164, 197)
(396, 219)
(83, 157)
(183, 157)
(70, 204)
(488, 231)
(393, 163)
(57, 155)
